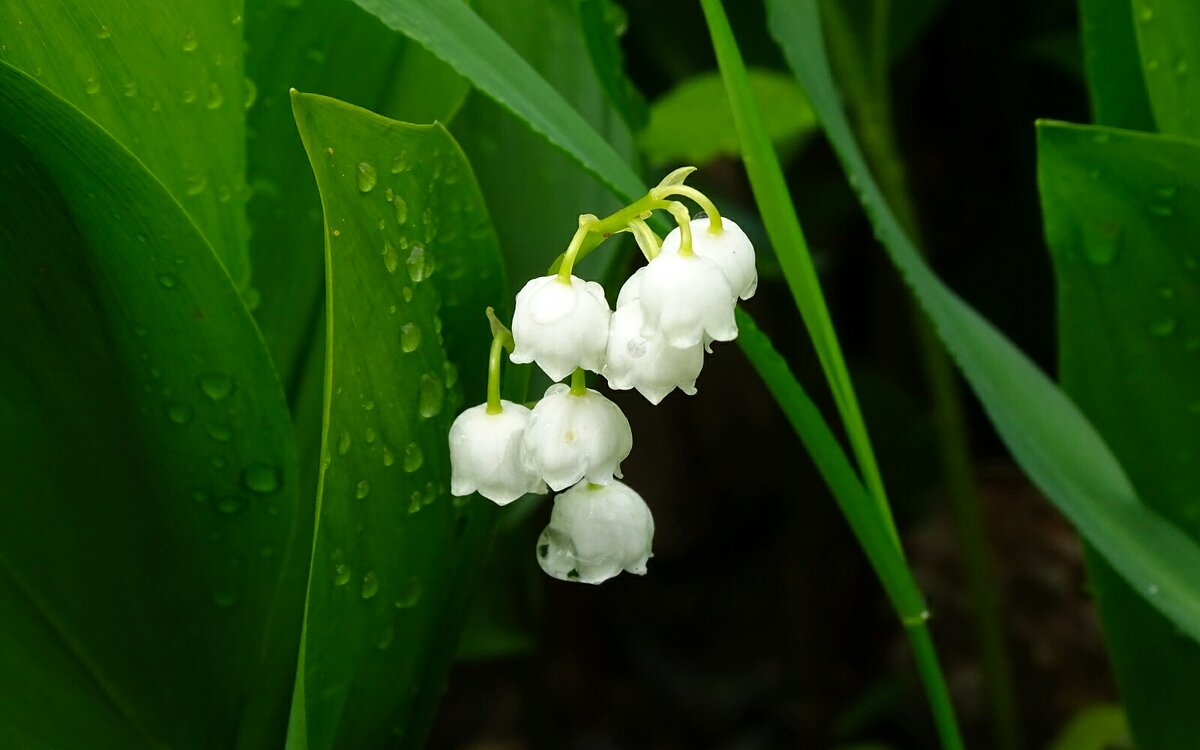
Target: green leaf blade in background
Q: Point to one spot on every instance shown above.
(693, 124)
(163, 79)
(1046, 433)
(1113, 64)
(1168, 37)
(152, 529)
(409, 250)
(1121, 212)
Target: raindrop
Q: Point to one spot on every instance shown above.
(189, 96)
(362, 489)
(368, 405)
(1163, 327)
(130, 88)
(401, 208)
(190, 42)
(91, 85)
(414, 504)
(400, 163)
(390, 260)
(416, 264)
(196, 184)
(366, 177)
(217, 386)
(168, 281)
(344, 443)
(251, 94)
(341, 574)
(1167, 292)
(179, 413)
(386, 637)
(410, 594)
(407, 292)
(370, 586)
(222, 433)
(413, 458)
(229, 504)
(451, 373)
(103, 33)
(261, 478)
(429, 402)
(224, 194)
(410, 337)
(200, 496)
(369, 435)
(389, 458)
(216, 97)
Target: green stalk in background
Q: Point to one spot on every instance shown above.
(775, 204)
(865, 82)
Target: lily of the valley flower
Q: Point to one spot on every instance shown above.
(595, 532)
(684, 298)
(576, 435)
(648, 363)
(485, 454)
(561, 326)
(730, 249)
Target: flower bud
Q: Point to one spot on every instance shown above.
(595, 532)
(731, 250)
(570, 437)
(684, 298)
(648, 364)
(485, 454)
(561, 326)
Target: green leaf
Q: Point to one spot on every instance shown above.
(1114, 69)
(1168, 37)
(1122, 213)
(1048, 436)
(410, 256)
(149, 558)
(460, 37)
(337, 49)
(693, 123)
(163, 79)
(603, 22)
(1099, 727)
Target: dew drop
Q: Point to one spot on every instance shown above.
(451, 373)
(366, 177)
(401, 209)
(344, 443)
(410, 594)
(217, 386)
(103, 32)
(190, 42)
(251, 91)
(386, 636)
(218, 431)
(416, 264)
(168, 281)
(414, 503)
(1102, 242)
(92, 85)
(370, 586)
(1163, 327)
(196, 184)
(261, 478)
(179, 413)
(216, 97)
(362, 489)
(390, 260)
(429, 402)
(400, 163)
(341, 574)
(369, 435)
(229, 504)
(407, 292)
(189, 95)
(413, 458)
(130, 89)
(389, 458)
(410, 337)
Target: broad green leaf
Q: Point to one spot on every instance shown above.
(162, 78)
(1047, 434)
(335, 48)
(1122, 213)
(408, 246)
(693, 123)
(1168, 37)
(1099, 727)
(457, 35)
(1113, 65)
(152, 541)
(603, 22)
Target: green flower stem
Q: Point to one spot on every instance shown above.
(501, 339)
(649, 242)
(579, 382)
(774, 201)
(684, 220)
(586, 222)
(702, 200)
(864, 75)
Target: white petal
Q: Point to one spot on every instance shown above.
(648, 364)
(731, 250)
(683, 298)
(485, 454)
(570, 437)
(595, 532)
(561, 326)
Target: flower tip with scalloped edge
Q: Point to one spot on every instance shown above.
(595, 533)
(485, 454)
(560, 326)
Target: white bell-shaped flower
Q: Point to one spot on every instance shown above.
(631, 290)
(570, 437)
(485, 454)
(731, 250)
(648, 363)
(561, 326)
(684, 298)
(595, 532)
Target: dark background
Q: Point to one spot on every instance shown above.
(760, 624)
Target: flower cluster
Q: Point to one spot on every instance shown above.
(667, 315)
